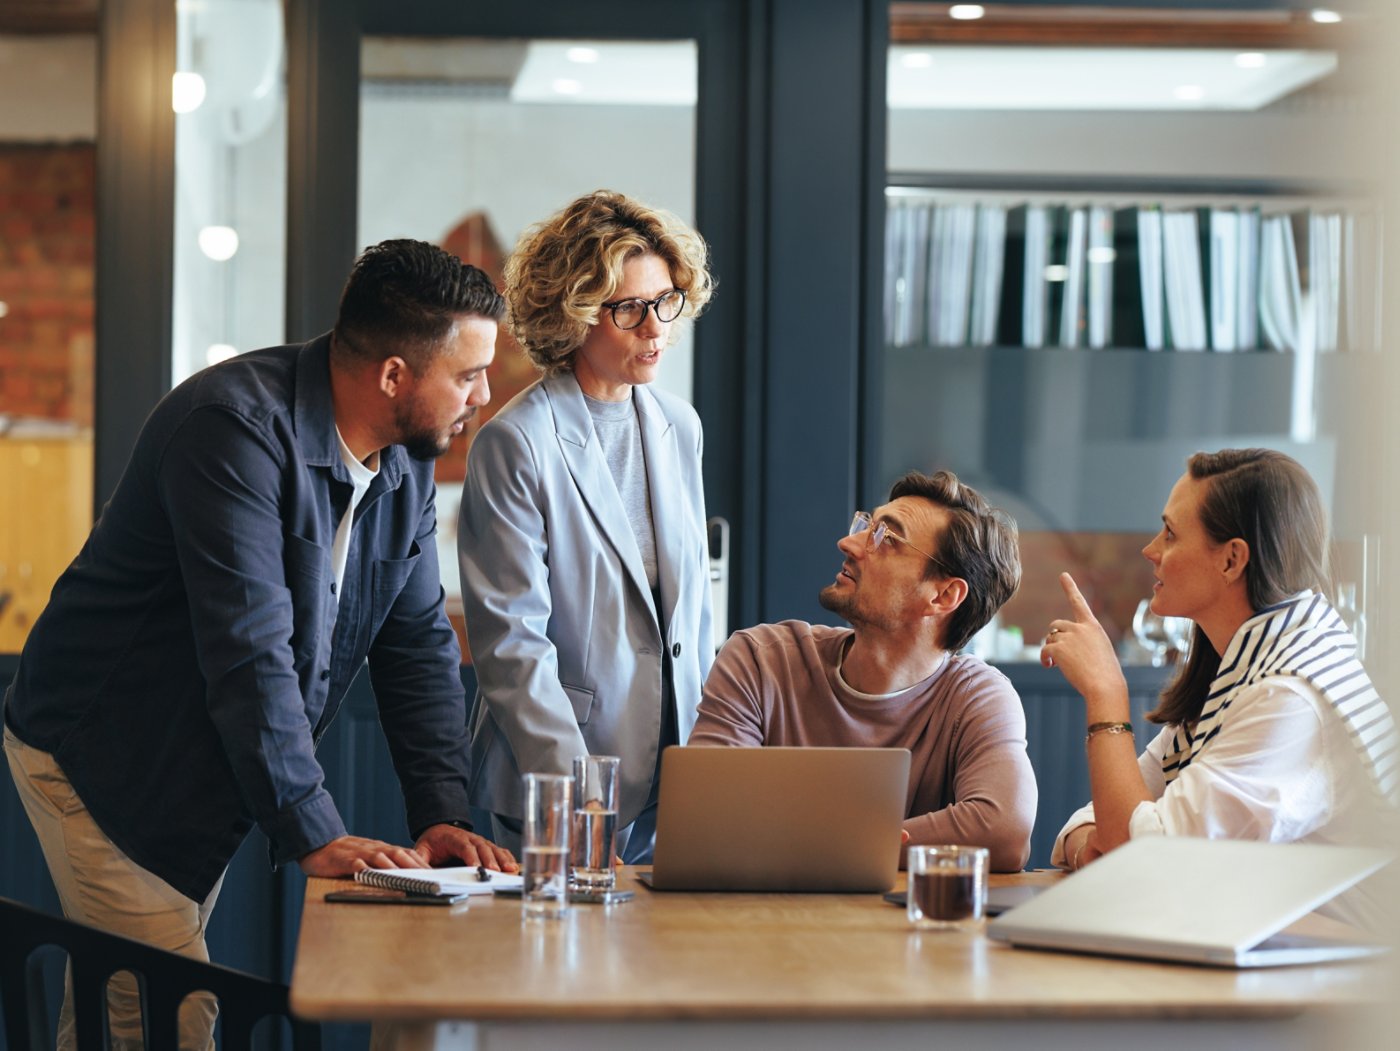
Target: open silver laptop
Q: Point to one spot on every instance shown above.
(779, 819)
(1205, 901)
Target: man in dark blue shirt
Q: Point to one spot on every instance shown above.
(272, 531)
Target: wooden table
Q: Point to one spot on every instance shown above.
(775, 971)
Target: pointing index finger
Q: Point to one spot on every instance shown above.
(1077, 602)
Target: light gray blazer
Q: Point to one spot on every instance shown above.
(560, 619)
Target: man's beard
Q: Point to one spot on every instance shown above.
(847, 607)
(831, 599)
(424, 443)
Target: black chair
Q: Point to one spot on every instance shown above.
(163, 978)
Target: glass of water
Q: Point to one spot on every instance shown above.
(545, 845)
(595, 822)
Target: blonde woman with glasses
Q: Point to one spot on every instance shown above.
(585, 569)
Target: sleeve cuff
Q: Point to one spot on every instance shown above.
(1083, 816)
(1146, 821)
(294, 833)
(439, 803)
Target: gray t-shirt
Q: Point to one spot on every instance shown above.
(620, 434)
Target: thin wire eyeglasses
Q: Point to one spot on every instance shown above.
(627, 314)
(880, 532)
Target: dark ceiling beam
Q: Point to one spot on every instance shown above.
(22, 17)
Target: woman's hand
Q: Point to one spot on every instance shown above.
(1081, 847)
(1081, 650)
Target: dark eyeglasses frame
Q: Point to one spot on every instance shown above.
(654, 305)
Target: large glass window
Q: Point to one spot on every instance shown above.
(230, 181)
(1104, 255)
(47, 250)
(466, 142)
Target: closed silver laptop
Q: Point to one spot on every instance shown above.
(780, 819)
(1205, 901)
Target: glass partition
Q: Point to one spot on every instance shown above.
(229, 93)
(466, 142)
(1104, 255)
(48, 125)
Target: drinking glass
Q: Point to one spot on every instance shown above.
(947, 886)
(1151, 630)
(545, 845)
(1180, 631)
(595, 822)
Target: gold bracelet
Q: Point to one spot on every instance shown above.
(1074, 864)
(1107, 728)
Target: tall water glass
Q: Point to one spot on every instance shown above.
(545, 844)
(595, 821)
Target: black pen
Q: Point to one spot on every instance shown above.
(483, 874)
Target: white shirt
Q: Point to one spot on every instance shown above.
(1281, 770)
(361, 475)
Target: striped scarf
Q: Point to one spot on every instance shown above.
(1304, 638)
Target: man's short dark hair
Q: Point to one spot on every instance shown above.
(404, 296)
(978, 544)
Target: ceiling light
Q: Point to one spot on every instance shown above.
(966, 12)
(974, 77)
(1251, 60)
(218, 352)
(1102, 254)
(917, 60)
(186, 92)
(1321, 14)
(4, 308)
(1190, 93)
(1056, 272)
(219, 243)
(583, 55)
(564, 86)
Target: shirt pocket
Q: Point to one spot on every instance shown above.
(390, 578)
(581, 700)
(307, 566)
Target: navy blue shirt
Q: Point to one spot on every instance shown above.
(194, 652)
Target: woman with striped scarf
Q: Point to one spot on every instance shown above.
(1272, 730)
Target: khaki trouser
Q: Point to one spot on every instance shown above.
(99, 885)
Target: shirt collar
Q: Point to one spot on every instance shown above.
(314, 418)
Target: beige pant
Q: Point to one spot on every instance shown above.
(99, 885)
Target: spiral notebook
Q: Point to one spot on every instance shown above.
(465, 879)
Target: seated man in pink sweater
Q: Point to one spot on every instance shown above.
(920, 577)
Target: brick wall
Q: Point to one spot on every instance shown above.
(47, 250)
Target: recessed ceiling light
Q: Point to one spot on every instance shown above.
(917, 60)
(219, 243)
(187, 92)
(966, 11)
(1323, 15)
(1251, 60)
(583, 55)
(1056, 272)
(4, 308)
(565, 86)
(1190, 93)
(218, 352)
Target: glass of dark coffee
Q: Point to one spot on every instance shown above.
(947, 886)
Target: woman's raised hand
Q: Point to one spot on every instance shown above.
(1081, 650)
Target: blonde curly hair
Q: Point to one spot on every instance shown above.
(565, 268)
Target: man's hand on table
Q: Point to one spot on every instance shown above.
(441, 845)
(348, 855)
